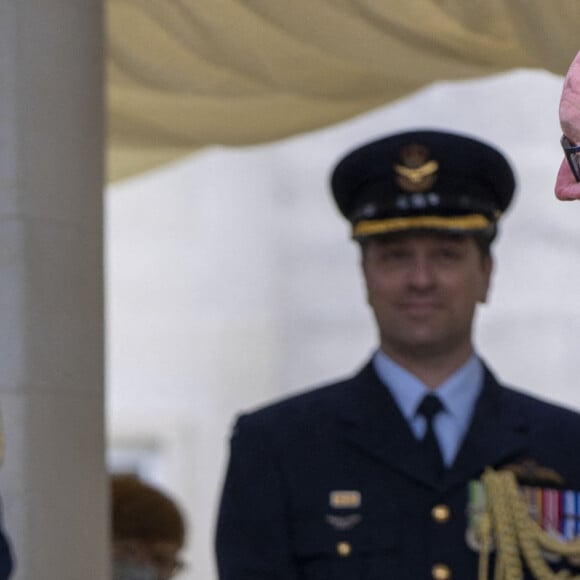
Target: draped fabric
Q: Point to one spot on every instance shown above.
(187, 74)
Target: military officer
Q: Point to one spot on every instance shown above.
(393, 472)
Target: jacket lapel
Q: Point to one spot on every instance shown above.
(375, 425)
(498, 432)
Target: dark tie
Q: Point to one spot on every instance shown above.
(429, 408)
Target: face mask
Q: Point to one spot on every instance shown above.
(126, 571)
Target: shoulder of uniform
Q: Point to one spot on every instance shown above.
(312, 401)
(535, 406)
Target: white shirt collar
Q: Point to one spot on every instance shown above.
(458, 393)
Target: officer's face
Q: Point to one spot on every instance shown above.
(423, 289)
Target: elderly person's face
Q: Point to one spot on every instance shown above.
(138, 560)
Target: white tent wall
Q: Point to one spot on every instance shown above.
(231, 281)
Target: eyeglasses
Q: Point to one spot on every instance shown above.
(157, 557)
(123, 570)
(572, 153)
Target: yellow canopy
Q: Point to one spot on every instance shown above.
(185, 74)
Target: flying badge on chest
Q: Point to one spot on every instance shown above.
(343, 523)
(530, 521)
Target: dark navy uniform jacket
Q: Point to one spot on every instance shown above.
(276, 521)
(6, 560)
(6, 563)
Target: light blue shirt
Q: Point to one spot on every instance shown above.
(458, 394)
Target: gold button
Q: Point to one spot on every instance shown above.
(441, 572)
(441, 513)
(343, 549)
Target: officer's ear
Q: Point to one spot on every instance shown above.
(363, 244)
(486, 274)
(363, 252)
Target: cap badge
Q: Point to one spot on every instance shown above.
(416, 173)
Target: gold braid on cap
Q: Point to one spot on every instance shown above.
(518, 537)
(472, 222)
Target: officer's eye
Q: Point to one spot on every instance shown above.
(450, 253)
(393, 254)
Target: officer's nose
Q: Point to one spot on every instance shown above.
(421, 272)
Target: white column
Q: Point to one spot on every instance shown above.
(52, 482)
